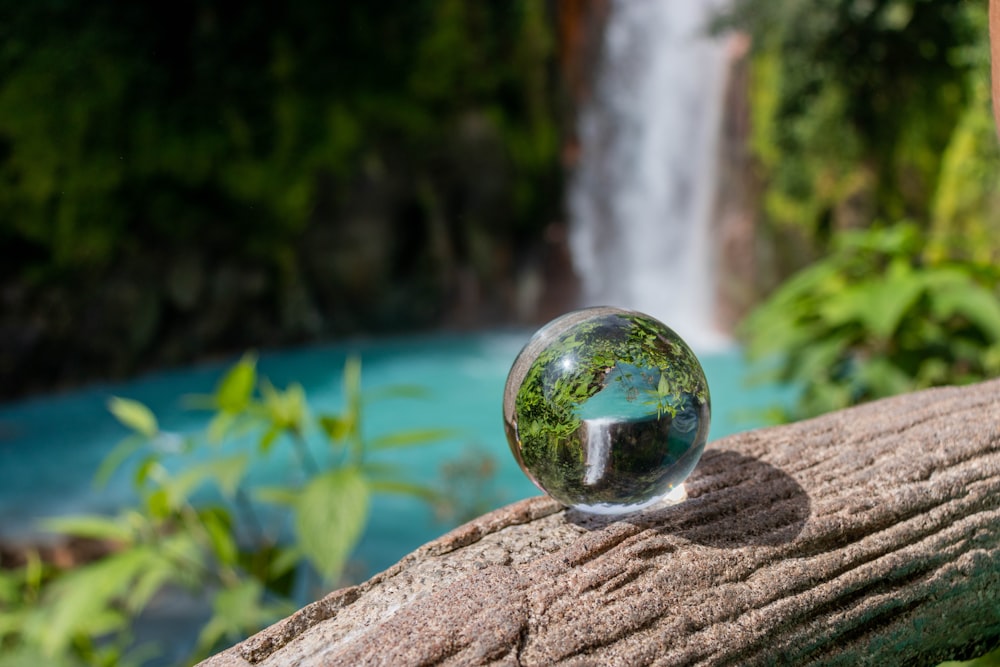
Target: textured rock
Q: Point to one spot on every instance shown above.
(868, 536)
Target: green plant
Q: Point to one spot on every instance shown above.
(868, 111)
(876, 318)
(199, 524)
(991, 659)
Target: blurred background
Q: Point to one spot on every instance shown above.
(190, 181)
(806, 190)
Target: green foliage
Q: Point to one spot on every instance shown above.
(122, 128)
(865, 111)
(198, 525)
(991, 659)
(876, 318)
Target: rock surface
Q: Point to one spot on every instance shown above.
(867, 536)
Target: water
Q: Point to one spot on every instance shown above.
(641, 199)
(50, 447)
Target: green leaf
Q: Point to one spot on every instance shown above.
(221, 536)
(971, 301)
(406, 489)
(268, 438)
(219, 426)
(336, 428)
(149, 581)
(236, 612)
(82, 596)
(285, 560)
(10, 587)
(145, 469)
(991, 659)
(883, 378)
(330, 517)
(158, 504)
(382, 469)
(116, 457)
(239, 611)
(663, 387)
(411, 438)
(886, 301)
(134, 415)
(227, 473)
(96, 527)
(277, 495)
(236, 387)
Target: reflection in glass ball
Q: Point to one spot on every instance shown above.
(607, 410)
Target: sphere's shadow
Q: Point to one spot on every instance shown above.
(733, 501)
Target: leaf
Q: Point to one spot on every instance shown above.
(219, 426)
(991, 659)
(973, 302)
(411, 438)
(239, 611)
(227, 473)
(285, 560)
(336, 428)
(158, 504)
(92, 526)
(406, 489)
(234, 390)
(133, 415)
(80, 597)
(382, 469)
(116, 457)
(221, 536)
(330, 517)
(285, 409)
(148, 582)
(296, 405)
(268, 439)
(886, 301)
(883, 378)
(236, 612)
(145, 469)
(276, 495)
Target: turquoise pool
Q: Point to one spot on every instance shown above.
(50, 447)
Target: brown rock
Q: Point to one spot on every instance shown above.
(867, 536)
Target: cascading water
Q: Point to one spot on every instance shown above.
(641, 199)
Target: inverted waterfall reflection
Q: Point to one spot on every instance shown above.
(641, 198)
(598, 438)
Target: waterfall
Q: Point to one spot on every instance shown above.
(641, 199)
(598, 448)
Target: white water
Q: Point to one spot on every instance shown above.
(598, 448)
(641, 199)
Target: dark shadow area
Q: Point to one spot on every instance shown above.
(733, 501)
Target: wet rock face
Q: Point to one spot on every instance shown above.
(866, 536)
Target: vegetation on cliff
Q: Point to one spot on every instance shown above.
(879, 163)
(210, 176)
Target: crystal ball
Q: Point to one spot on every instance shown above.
(607, 410)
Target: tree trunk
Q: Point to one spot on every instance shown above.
(867, 536)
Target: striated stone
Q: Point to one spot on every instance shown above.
(866, 536)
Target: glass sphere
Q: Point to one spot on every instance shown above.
(607, 410)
